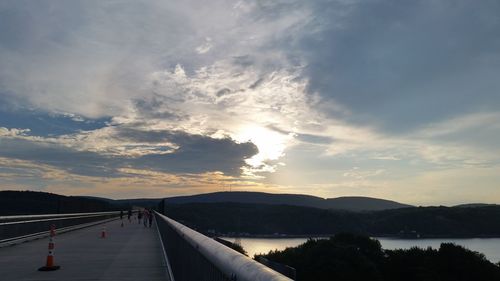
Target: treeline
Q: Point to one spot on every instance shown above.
(262, 219)
(348, 257)
(235, 246)
(32, 203)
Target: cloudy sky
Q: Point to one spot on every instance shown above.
(122, 99)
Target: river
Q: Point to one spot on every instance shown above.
(490, 247)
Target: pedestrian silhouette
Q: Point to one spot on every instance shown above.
(146, 217)
(139, 216)
(150, 217)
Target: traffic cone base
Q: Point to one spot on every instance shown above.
(49, 265)
(49, 268)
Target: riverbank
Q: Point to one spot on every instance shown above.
(347, 257)
(391, 236)
(490, 247)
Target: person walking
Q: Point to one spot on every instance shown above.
(150, 217)
(139, 216)
(146, 217)
(129, 215)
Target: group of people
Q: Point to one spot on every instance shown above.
(145, 215)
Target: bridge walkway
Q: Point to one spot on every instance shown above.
(127, 253)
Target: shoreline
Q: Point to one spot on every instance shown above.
(395, 237)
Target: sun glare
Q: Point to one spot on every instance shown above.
(271, 144)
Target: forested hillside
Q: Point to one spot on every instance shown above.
(263, 219)
(31, 203)
(350, 203)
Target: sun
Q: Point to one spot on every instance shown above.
(271, 144)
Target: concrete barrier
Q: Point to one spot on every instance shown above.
(194, 256)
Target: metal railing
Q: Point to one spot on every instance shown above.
(193, 256)
(14, 229)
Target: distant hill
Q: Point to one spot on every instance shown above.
(267, 219)
(475, 205)
(33, 202)
(142, 202)
(358, 203)
(128, 203)
(340, 203)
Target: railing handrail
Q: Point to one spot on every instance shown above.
(54, 215)
(59, 218)
(229, 261)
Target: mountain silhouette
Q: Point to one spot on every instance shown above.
(351, 203)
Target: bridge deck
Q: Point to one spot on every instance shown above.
(131, 252)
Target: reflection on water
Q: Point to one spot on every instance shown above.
(490, 247)
(264, 245)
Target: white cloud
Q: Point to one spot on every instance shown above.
(253, 70)
(481, 120)
(92, 58)
(205, 46)
(13, 132)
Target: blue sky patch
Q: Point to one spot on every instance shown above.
(45, 124)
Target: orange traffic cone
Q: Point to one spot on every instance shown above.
(103, 232)
(49, 265)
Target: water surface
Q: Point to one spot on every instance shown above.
(490, 247)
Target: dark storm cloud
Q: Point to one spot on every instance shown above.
(196, 154)
(135, 135)
(401, 64)
(70, 160)
(201, 154)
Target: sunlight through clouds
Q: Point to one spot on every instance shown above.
(318, 97)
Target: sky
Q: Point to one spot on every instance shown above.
(131, 99)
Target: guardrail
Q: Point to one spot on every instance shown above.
(15, 229)
(194, 256)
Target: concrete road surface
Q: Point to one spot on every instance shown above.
(127, 253)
